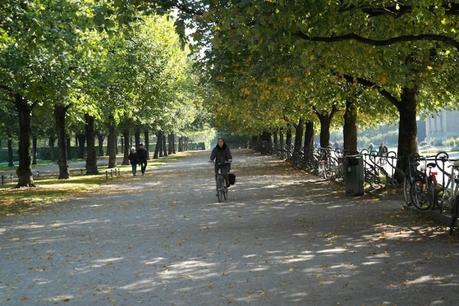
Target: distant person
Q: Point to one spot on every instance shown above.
(221, 154)
(142, 156)
(133, 160)
(371, 148)
(382, 151)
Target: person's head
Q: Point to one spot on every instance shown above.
(221, 142)
(132, 149)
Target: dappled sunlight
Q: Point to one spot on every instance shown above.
(279, 239)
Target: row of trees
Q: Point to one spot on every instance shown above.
(279, 65)
(93, 68)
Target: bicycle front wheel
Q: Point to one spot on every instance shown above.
(420, 193)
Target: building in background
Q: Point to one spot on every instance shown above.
(442, 126)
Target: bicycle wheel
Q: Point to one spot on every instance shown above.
(454, 214)
(220, 188)
(420, 195)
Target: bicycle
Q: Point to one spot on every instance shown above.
(424, 188)
(448, 197)
(222, 189)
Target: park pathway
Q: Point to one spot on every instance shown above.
(283, 238)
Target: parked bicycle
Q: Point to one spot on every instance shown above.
(448, 195)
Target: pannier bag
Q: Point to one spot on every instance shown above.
(232, 178)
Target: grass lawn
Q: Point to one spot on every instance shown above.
(52, 190)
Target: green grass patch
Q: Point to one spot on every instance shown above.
(51, 190)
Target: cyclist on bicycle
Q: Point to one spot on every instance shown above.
(221, 154)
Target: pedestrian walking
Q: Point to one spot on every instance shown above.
(133, 160)
(142, 156)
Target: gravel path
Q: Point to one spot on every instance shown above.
(283, 238)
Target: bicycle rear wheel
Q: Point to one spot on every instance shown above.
(454, 215)
(420, 194)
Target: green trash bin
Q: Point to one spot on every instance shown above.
(353, 175)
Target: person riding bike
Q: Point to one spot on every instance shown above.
(221, 154)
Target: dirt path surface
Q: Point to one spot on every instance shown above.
(283, 238)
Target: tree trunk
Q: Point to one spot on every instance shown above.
(10, 150)
(309, 140)
(51, 141)
(299, 128)
(122, 144)
(169, 145)
(62, 140)
(276, 141)
(266, 143)
(325, 122)
(164, 145)
(146, 136)
(288, 140)
(173, 143)
(407, 129)
(180, 144)
(111, 144)
(137, 138)
(158, 147)
(126, 147)
(91, 155)
(350, 128)
(24, 171)
(81, 147)
(34, 150)
(100, 143)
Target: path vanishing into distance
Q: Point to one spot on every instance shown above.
(283, 238)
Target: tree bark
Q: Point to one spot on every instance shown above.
(81, 145)
(288, 139)
(325, 123)
(100, 143)
(62, 140)
(180, 144)
(299, 128)
(111, 144)
(10, 150)
(146, 136)
(173, 143)
(158, 147)
(169, 146)
(309, 140)
(350, 128)
(407, 129)
(91, 155)
(276, 141)
(126, 147)
(34, 150)
(164, 145)
(24, 171)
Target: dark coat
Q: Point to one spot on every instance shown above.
(142, 154)
(133, 157)
(221, 155)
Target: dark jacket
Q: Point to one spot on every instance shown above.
(221, 155)
(133, 157)
(142, 154)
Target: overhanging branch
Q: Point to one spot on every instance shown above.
(381, 42)
(370, 84)
(451, 9)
